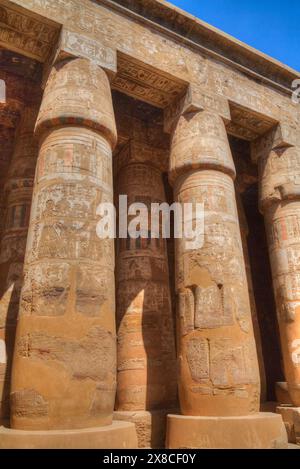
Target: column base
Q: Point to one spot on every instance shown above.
(258, 431)
(150, 426)
(119, 435)
(291, 419)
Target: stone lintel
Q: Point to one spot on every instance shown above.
(72, 44)
(195, 99)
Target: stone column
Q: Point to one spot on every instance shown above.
(147, 382)
(2, 208)
(279, 171)
(64, 369)
(218, 368)
(244, 235)
(18, 190)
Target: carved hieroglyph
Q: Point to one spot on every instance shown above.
(279, 171)
(218, 369)
(64, 371)
(12, 251)
(146, 341)
(24, 33)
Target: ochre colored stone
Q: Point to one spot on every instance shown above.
(146, 344)
(187, 318)
(18, 195)
(258, 340)
(64, 371)
(291, 418)
(279, 201)
(118, 435)
(218, 369)
(282, 393)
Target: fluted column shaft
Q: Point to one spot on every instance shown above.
(279, 172)
(218, 369)
(18, 190)
(64, 370)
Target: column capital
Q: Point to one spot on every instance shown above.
(78, 93)
(74, 45)
(195, 99)
(200, 141)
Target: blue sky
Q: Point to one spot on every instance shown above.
(272, 26)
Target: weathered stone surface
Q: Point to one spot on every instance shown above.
(146, 342)
(218, 373)
(150, 426)
(279, 194)
(76, 45)
(119, 434)
(291, 418)
(18, 195)
(179, 88)
(258, 339)
(259, 431)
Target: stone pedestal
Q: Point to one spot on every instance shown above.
(219, 386)
(291, 418)
(150, 426)
(244, 235)
(258, 431)
(118, 435)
